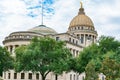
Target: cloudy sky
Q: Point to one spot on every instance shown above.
(21, 15)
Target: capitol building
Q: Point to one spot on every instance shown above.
(80, 34)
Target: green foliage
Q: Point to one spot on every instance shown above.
(108, 43)
(110, 68)
(90, 72)
(6, 61)
(72, 62)
(43, 55)
(107, 47)
(85, 56)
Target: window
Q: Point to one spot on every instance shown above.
(16, 46)
(15, 75)
(81, 28)
(82, 39)
(11, 49)
(70, 76)
(69, 39)
(22, 75)
(30, 76)
(73, 40)
(57, 38)
(37, 75)
(8, 75)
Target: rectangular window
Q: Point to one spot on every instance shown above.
(37, 75)
(8, 75)
(69, 39)
(82, 39)
(30, 76)
(57, 38)
(22, 75)
(73, 40)
(11, 49)
(15, 75)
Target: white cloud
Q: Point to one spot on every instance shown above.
(14, 18)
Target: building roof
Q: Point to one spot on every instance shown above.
(43, 30)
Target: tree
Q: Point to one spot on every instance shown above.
(108, 43)
(6, 61)
(111, 69)
(90, 72)
(98, 52)
(85, 57)
(42, 55)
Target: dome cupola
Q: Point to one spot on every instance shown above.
(83, 27)
(81, 19)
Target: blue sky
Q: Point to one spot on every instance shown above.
(21, 15)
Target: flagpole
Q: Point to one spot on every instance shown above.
(42, 12)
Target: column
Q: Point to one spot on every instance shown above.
(84, 40)
(11, 74)
(18, 76)
(9, 48)
(13, 50)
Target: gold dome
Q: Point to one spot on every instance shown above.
(81, 19)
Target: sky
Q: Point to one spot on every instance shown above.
(21, 15)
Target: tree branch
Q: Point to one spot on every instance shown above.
(47, 73)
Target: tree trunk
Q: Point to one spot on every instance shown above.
(43, 77)
(56, 77)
